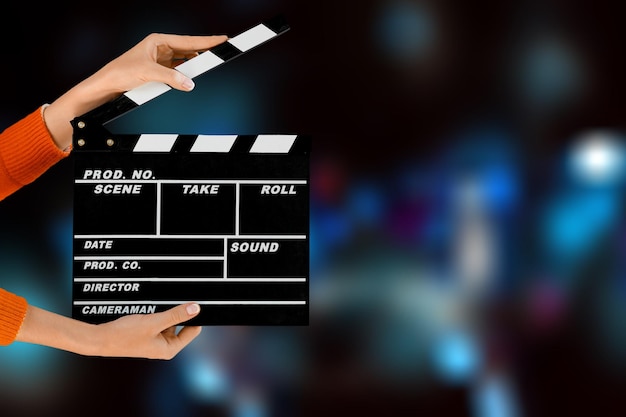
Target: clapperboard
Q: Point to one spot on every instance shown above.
(163, 219)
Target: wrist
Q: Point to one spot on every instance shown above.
(82, 98)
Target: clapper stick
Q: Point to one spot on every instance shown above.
(206, 61)
(163, 219)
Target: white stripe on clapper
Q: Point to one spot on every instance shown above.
(252, 37)
(273, 144)
(213, 143)
(200, 64)
(147, 92)
(155, 142)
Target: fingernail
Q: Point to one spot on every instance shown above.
(188, 84)
(193, 309)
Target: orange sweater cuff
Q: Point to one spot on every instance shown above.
(27, 151)
(12, 313)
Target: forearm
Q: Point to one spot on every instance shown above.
(50, 329)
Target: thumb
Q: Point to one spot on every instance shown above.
(173, 78)
(179, 314)
(182, 82)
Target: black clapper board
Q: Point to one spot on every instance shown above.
(164, 219)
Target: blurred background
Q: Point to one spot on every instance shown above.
(467, 237)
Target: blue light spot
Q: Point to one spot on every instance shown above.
(366, 204)
(406, 30)
(249, 406)
(500, 187)
(494, 398)
(331, 227)
(574, 222)
(400, 347)
(456, 356)
(208, 382)
(550, 72)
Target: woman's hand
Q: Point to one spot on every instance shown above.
(150, 336)
(152, 59)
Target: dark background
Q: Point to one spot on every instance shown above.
(434, 124)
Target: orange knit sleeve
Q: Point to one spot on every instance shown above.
(26, 151)
(12, 313)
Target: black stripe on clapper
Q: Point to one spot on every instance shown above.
(183, 143)
(302, 145)
(278, 24)
(243, 143)
(110, 111)
(125, 143)
(226, 51)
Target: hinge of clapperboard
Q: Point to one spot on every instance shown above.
(90, 133)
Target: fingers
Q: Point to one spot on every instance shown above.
(169, 76)
(195, 43)
(180, 45)
(174, 317)
(181, 81)
(187, 334)
(176, 342)
(166, 48)
(185, 44)
(177, 315)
